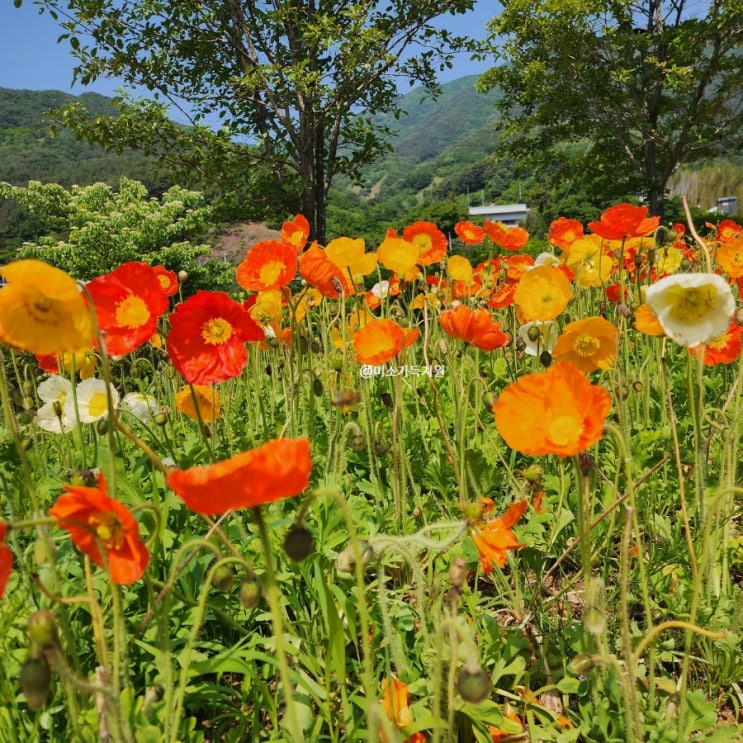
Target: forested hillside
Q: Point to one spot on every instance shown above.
(442, 160)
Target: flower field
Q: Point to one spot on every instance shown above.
(409, 493)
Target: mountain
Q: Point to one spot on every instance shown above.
(29, 151)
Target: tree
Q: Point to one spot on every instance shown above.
(289, 85)
(91, 230)
(642, 86)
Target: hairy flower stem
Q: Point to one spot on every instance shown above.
(272, 595)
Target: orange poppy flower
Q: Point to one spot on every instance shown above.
(296, 232)
(319, 271)
(623, 221)
(729, 256)
(269, 264)
(557, 411)
(396, 703)
(509, 238)
(722, 350)
(475, 327)
(494, 538)
(564, 232)
(278, 469)
(128, 302)
(589, 344)
(502, 296)
(646, 322)
(199, 400)
(207, 338)
(728, 230)
(517, 265)
(378, 342)
(6, 559)
(168, 280)
(469, 233)
(542, 293)
(96, 521)
(429, 239)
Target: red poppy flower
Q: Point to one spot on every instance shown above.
(476, 327)
(207, 338)
(509, 238)
(269, 264)
(319, 271)
(429, 239)
(168, 280)
(6, 559)
(296, 232)
(94, 520)
(614, 293)
(722, 350)
(128, 301)
(624, 220)
(278, 469)
(469, 233)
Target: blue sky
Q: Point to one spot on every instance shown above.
(31, 58)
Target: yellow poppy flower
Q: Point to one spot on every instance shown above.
(349, 256)
(42, 310)
(542, 293)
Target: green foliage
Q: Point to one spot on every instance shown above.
(95, 229)
(297, 82)
(643, 87)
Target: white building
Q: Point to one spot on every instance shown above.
(509, 214)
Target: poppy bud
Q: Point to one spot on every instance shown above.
(489, 399)
(27, 388)
(272, 342)
(250, 593)
(315, 346)
(182, 276)
(317, 387)
(545, 358)
(42, 629)
(28, 402)
(103, 426)
(637, 385)
(473, 684)
(27, 444)
(739, 316)
(533, 334)
(380, 447)
(458, 572)
(303, 345)
(223, 578)
(582, 664)
(160, 419)
(346, 560)
(35, 680)
(336, 361)
(520, 343)
(25, 417)
(298, 543)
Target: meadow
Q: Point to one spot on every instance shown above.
(388, 493)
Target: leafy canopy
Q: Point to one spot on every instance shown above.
(642, 86)
(278, 93)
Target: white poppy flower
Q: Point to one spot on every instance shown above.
(544, 334)
(54, 389)
(92, 402)
(546, 259)
(692, 308)
(143, 406)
